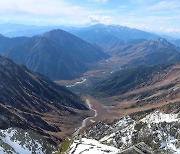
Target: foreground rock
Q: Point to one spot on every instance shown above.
(19, 141)
(157, 130)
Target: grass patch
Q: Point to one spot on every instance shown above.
(64, 146)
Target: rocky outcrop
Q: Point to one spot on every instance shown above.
(157, 130)
(140, 148)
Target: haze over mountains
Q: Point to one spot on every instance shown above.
(61, 55)
(108, 36)
(19, 30)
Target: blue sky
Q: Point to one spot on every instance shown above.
(162, 16)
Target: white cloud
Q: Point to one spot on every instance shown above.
(43, 10)
(100, 19)
(99, 1)
(49, 12)
(169, 29)
(141, 14)
(164, 6)
(40, 7)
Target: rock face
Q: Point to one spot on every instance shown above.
(26, 98)
(158, 130)
(56, 54)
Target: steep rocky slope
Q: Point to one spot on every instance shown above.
(31, 101)
(158, 130)
(151, 132)
(140, 89)
(126, 80)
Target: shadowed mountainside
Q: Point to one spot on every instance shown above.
(29, 100)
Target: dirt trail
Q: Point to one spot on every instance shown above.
(100, 111)
(84, 123)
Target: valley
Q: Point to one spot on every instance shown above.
(124, 104)
(73, 96)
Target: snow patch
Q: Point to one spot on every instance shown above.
(91, 146)
(19, 141)
(157, 117)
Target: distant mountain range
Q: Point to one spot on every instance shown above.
(61, 55)
(19, 30)
(26, 98)
(152, 52)
(109, 36)
(56, 54)
(105, 36)
(7, 43)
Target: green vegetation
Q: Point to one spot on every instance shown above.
(64, 146)
(107, 143)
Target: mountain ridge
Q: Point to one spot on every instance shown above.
(56, 54)
(151, 52)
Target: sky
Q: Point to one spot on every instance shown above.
(162, 16)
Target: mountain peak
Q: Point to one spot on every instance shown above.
(108, 26)
(54, 32)
(160, 42)
(56, 54)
